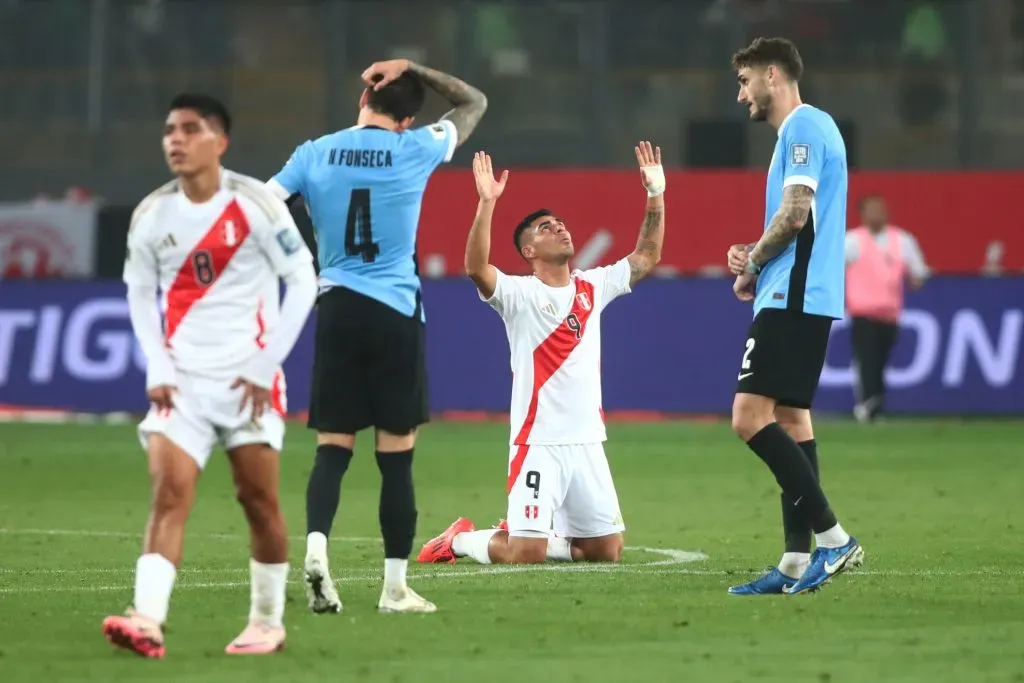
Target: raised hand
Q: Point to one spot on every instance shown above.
(483, 172)
(387, 70)
(652, 174)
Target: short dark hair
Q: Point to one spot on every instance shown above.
(779, 52)
(524, 225)
(206, 106)
(864, 200)
(399, 99)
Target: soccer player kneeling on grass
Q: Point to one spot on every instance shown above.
(216, 244)
(562, 503)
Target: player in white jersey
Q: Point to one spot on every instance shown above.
(562, 503)
(215, 244)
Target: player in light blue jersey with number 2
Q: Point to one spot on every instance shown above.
(795, 276)
(363, 188)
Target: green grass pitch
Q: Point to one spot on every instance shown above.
(937, 505)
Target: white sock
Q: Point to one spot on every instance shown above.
(394, 572)
(794, 565)
(316, 545)
(474, 544)
(559, 548)
(832, 538)
(154, 580)
(268, 592)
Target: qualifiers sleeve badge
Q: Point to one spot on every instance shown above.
(439, 131)
(289, 240)
(800, 155)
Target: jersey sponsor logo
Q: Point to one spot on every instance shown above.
(799, 155)
(289, 240)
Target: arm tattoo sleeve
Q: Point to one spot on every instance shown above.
(468, 102)
(785, 224)
(648, 245)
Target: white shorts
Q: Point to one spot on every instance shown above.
(206, 413)
(565, 488)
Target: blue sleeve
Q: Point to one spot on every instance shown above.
(436, 143)
(292, 177)
(805, 153)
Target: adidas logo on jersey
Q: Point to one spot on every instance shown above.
(168, 241)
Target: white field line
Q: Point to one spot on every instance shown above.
(670, 563)
(668, 557)
(138, 534)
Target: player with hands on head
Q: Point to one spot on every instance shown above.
(363, 188)
(562, 503)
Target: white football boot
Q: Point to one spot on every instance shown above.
(320, 589)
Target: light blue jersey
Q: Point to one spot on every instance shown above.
(809, 276)
(364, 188)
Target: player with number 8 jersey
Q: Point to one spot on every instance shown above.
(212, 247)
(363, 188)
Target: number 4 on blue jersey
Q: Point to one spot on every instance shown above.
(363, 188)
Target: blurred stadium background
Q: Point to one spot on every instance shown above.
(929, 96)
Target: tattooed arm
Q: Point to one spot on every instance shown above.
(787, 222)
(468, 102)
(648, 245)
(652, 231)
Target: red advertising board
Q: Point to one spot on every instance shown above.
(957, 217)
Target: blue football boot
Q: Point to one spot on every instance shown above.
(772, 583)
(826, 563)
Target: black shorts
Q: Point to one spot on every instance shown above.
(369, 366)
(784, 355)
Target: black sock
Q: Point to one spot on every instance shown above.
(397, 504)
(794, 526)
(793, 472)
(810, 449)
(324, 488)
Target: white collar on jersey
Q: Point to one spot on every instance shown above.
(782, 126)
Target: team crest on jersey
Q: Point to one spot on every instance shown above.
(584, 301)
(230, 233)
(799, 155)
